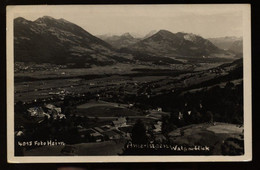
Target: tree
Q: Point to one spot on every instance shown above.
(19, 108)
(182, 132)
(174, 118)
(139, 133)
(167, 125)
(196, 117)
(229, 85)
(209, 117)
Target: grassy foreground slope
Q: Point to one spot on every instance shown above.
(215, 136)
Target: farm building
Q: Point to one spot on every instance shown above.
(54, 111)
(180, 116)
(105, 127)
(157, 127)
(119, 122)
(98, 129)
(37, 112)
(98, 137)
(19, 133)
(159, 109)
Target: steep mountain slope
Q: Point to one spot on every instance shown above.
(167, 44)
(59, 41)
(150, 34)
(224, 42)
(236, 47)
(120, 41)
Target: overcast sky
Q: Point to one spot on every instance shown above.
(205, 20)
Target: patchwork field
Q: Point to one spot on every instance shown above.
(105, 109)
(100, 103)
(118, 68)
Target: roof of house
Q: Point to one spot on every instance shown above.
(96, 134)
(36, 111)
(19, 133)
(105, 127)
(50, 106)
(120, 120)
(93, 132)
(57, 109)
(157, 126)
(98, 129)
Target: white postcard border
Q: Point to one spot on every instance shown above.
(11, 10)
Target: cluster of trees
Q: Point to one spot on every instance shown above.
(65, 129)
(185, 117)
(140, 136)
(225, 104)
(57, 129)
(216, 104)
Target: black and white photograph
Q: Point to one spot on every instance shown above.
(129, 83)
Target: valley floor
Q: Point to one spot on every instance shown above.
(96, 112)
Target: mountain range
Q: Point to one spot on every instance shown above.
(236, 47)
(120, 41)
(168, 44)
(59, 41)
(231, 43)
(150, 34)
